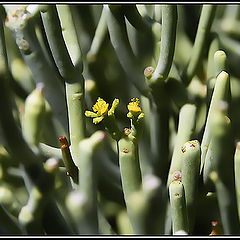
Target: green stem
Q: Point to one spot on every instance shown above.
(190, 178)
(18, 147)
(85, 212)
(129, 166)
(149, 203)
(158, 13)
(167, 48)
(221, 92)
(130, 170)
(34, 116)
(204, 27)
(178, 207)
(220, 62)
(118, 36)
(99, 37)
(186, 129)
(214, 46)
(72, 76)
(71, 168)
(223, 171)
(69, 32)
(43, 73)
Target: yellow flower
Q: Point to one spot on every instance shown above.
(134, 108)
(100, 107)
(101, 110)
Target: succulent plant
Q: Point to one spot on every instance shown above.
(119, 119)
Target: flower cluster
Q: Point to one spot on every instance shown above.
(135, 111)
(101, 110)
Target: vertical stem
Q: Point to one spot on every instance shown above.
(72, 76)
(221, 92)
(178, 206)
(130, 172)
(204, 27)
(186, 129)
(190, 177)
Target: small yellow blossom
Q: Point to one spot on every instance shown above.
(100, 107)
(134, 108)
(101, 110)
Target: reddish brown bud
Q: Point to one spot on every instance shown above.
(63, 141)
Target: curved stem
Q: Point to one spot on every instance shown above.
(167, 47)
(120, 42)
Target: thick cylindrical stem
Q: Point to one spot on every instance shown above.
(221, 92)
(178, 206)
(186, 129)
(190, 178)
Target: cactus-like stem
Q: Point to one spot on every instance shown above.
(221, 92)
(72, 76)
(140, 34)
(158, 12)
(39, 65)
(190, 178)
(204, 27)
(70, 34)
(186, 130)
(145, 203)
(220, 62)
(169, 26)
(85, 211)
(129, 164)
(135, 18)
(214, 46)
(50, 151)
(223, 171)
(119, 40)
(178, 207)
(128, 153)
(34, 116)
(123, 223)
(100, 34)
(129, 168)
(71, 168)
(18, 147)
(211, 66)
